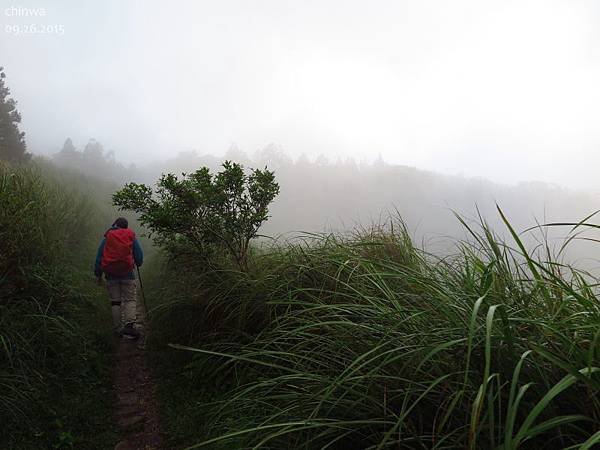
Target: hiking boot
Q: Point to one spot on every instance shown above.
(129, 332)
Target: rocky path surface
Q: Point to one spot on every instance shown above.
(137, 408)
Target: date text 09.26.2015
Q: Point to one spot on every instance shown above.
(35, 29)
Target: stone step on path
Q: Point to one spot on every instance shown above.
(137, 408)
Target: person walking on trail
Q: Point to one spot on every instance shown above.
(118, 254)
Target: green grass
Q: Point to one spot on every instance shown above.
(55, 346)
(368, 342)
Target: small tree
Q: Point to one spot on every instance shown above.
(68, 156)
(223, 210)
(68, 148)
(12, 140)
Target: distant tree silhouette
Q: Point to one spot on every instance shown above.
(12, 140)
(93, 152)
(68, 148)
(93, 160)
(272, 155)
(235, 154)
(68, 155)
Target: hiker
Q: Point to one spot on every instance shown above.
(118, 254)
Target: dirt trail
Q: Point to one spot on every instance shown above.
(137, 407)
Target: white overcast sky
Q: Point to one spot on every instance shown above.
(507, 90)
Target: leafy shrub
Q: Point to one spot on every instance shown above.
(203, 211)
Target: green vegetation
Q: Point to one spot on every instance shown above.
(204, 213)
(12, 140)
(366, 341)
(321, 341)
(55, 347)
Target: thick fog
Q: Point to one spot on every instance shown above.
(360, 107)
(505, 90)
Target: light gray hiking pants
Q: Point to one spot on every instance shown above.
(123, 300)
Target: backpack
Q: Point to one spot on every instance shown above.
(117, 256)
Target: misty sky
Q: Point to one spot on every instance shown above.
(507, 90)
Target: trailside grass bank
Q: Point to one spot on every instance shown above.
(55, 343)
(368, 342)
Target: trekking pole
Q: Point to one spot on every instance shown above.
(142, 290)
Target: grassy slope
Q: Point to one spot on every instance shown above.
(367, 342)
(56, 352)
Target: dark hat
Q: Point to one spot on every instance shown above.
(121, 222)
